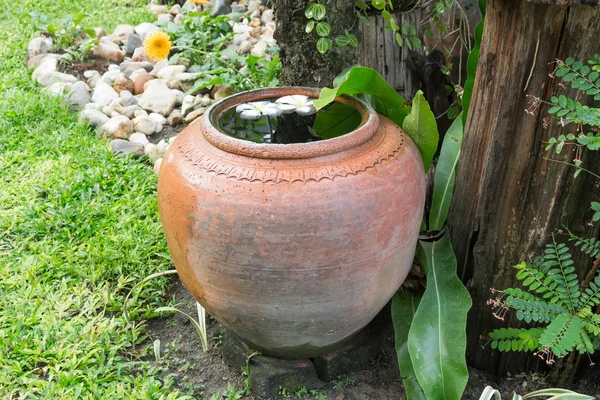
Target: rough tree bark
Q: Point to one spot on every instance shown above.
(304, 66)
(509, 199)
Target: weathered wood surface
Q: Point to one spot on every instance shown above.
(378, 50)
(509, 199)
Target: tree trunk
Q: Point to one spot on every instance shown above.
(303, 65)
(509, 199)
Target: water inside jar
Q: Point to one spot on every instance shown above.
(267, 125)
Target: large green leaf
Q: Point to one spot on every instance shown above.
(445, 175)
(367, 83)
(336, 120)
(421, 126)
(363, 80)
(437, 339)
(472, 61)
(404, 307)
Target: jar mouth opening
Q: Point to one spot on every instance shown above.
(214, 134)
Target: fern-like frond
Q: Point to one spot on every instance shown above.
(563, 334)
(531, 308)
(586, 345)
(558, 266)
(513, 339)
(591, 295)
(592, 321)
(589, 246)
(536, 280)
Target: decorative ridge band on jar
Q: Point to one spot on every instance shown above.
(244, 169)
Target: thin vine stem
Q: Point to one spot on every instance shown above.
(573, 165)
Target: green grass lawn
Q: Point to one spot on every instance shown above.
(78, 228)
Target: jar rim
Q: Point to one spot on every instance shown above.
(218, 138)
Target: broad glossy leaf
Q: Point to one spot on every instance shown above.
(323, 29)
(336, 120)
(445, 174)
(472, 62)
(490, 393)
(319, 11)
(353, 40)
(324, 45)
(404, 307)
(363, 80)
(378, 4)
(342, 40)
(437, 339)
(309, 11)
(421, 126)
(205, 82)
(399, 39)
(310, 25)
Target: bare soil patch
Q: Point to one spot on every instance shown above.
(91, 62)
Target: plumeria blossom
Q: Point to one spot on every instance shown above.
(257, 109)
(298, 103)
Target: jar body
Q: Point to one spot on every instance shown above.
(296, 255)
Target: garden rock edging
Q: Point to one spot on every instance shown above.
(132, 101)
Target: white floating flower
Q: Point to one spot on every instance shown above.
(257, 109)
(298, 103)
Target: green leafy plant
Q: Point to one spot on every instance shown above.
(231, 393)
(490, 393)
(318, 394)
(439, 371)
(472, 61)
(430, 351)
(200, 40)
(78, 53)
(345, 382)
(405, 34)
(585, 77)
(421, 126)
(284, 392)
(554, 297)
(367, 84)
(200, 31)
(437, 344)
(199, 325)
(66, 33)
(246, 373)
(316, 13)
(420, 319)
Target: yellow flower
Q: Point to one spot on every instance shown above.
(200, 1)
(157, 45)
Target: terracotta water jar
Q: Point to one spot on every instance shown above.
(292, 247)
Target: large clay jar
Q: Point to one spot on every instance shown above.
(292, 247)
